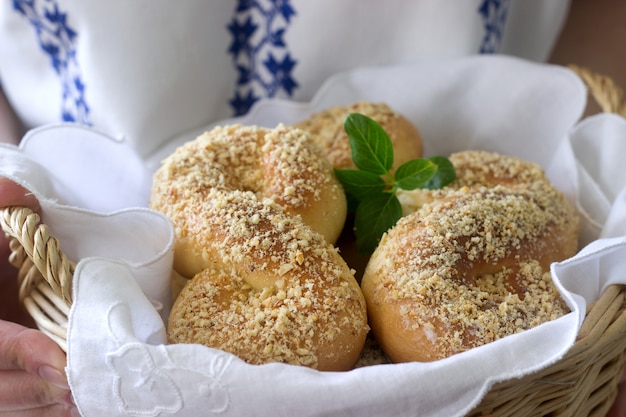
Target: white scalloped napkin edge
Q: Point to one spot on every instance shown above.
(94, 189)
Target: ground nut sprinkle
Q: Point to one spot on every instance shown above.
(267, 287)
(471, 263)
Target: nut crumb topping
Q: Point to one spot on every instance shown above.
(471, 264)
(327, 128)
(270, 287)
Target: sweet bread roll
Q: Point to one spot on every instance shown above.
(288, 297)
(266, 286)
(328, 131)
(281, 165)
(471, 264)
(479, 169)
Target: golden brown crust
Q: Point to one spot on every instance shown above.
(471, 264)
(265, 285)
(328, 132)
(291, 299)
(478, 169)
(281, 164)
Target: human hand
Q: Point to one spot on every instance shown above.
(32, 376)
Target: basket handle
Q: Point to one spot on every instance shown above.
(607, 94)
(36, 253)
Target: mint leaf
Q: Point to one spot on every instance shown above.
(361, 184)
(415, 173)
(373, 218)
(371, 147)
(371, 189)
(445, 173)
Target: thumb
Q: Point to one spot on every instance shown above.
(13, 194)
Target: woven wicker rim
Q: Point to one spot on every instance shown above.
(45, 274)
(583, 383)
(605, 92)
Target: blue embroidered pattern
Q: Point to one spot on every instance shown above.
(494, 13)
(58, 40)
(260, 55)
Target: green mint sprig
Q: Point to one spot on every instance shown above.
(372, 187)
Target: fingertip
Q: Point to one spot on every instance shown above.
(54, 376)
(13, 194)
(48, 359)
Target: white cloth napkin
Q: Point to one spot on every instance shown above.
(92, 189)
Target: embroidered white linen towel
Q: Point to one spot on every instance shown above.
(118, 359)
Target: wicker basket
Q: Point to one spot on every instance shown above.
(583, 383)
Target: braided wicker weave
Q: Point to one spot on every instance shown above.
(583, 383)
(45, 274)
